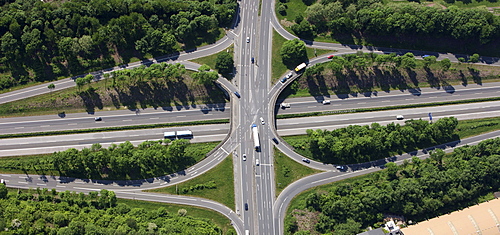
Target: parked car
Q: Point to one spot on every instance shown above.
(97, 119)
(237, 94)
(262, 121)
(400, 117)
(331, 56)
(326, 101)
(341, 168)
(275, 140)
(306, 160)
(244, 157)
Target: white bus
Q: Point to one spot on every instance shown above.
(184, 134)
(169, 135)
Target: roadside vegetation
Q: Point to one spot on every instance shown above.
(416, 190)
(157, 86)
(100, 213)
(222, 62)
(55, 39)
(118, 162)
(288, 171)
(358, 144)
(455, 26)
(217, 184)
(279, 66)
(369, 73)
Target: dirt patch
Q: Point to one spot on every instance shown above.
(436, 5)
(286, 23)
(306, 220)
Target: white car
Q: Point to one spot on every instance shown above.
(285, 105)
(400, 117)
(326, 101)
(244, 157)
(257, 162)
(262, 121)
(248, 39)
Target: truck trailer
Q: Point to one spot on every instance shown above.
(255, 134)
(300, 67)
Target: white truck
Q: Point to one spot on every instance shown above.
(255, 134)
(300, 67)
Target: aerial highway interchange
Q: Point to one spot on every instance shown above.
(254, 185)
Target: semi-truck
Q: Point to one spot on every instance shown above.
(300, 67)
(256, 141)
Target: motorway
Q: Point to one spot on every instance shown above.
(253, 184)
(222, 111)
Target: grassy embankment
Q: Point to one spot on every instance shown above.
(288, 171)
(221, 174)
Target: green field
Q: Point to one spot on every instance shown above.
(210, 60)
(222, 175)
(288, 171)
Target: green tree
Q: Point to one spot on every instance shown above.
(445, 64)
(224, 63)
(293, 52)
(3, 191)
(474, 58)
(51, 86)
(205, 76)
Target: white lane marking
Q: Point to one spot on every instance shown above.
(90, 189)
(41, 184)
(21, 182)
(181, 116)
(362, 103)
(5, 175)
(79, 182)
(60, 186)
(21, 127)
(127, 120)
(22, 177)
(72, 124)
(311, 107)
(410, 99)
(45, 126)
(154, 118)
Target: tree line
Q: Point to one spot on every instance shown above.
(417, 190)
(123, 161)
(357, 144)
(40, 211)
(372, 17)
(41, 41)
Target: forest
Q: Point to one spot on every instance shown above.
(358, 144)
(396, 22)
(40, 211)
(42, 41)
(123, 161)
(417, 190)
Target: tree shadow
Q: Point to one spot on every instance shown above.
(476, 75)
(431, 78)
(91, 100)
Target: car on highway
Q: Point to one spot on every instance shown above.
(306, 160)
(341, 168)
(331, 56)
(262, 121)
(253, 60)
(257, 162)
(237, 94)
(244, 157)
(97, 119)
(2, 181)
(248, 39)
(246, 206)
(289, 75)
(285, 105)
(326, 101)
(275, 140)
(400, 117)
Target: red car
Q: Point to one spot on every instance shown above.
(329, 57)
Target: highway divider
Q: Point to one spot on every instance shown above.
(223, 121)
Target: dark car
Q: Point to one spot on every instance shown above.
(253, 60)
(98, 119)
(283, 80)
(275, 140)
(246, 206)
(237, 94)
(306, 160)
